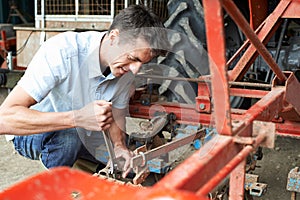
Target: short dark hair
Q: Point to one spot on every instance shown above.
(138, 21)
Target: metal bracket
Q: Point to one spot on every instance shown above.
(252, 185)
(293, 182)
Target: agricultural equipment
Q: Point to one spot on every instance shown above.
(243, 99)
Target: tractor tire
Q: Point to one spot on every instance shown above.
(189, 57)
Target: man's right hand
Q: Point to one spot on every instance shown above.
(96, 116)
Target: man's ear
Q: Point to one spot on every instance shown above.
(114, 36)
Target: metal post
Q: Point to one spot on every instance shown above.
(112, 8)
(37, 22)
(9, 60)
(76, 9)
(237, 177)
(217, 63)
(43, 13)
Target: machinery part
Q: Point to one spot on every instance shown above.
(64, 183)
(119, 182)
(150, 132)
(148, 129)
(197, 80)
(253, 158)
(142, 172)
(187, 49)
(189, 58)
(115, 163)
(252, 185)
(139, 160)
(293, 182)
(209, 133)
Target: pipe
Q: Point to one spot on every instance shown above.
(197, 80)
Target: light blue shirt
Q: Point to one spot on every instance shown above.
(65, 75)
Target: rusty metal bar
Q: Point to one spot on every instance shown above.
(244, 46)
(139, 160)
(198, 80)
(199, 168)
(235, 13)
(208, 166)
(234, 162)
(185, 114)
(217, 64)
(293, 11)
(203, 165)
(237, 181)
(270, 25)
(210, 185)
(66, 183)
(288, 128)
(258, 12)
(292, 93)
(248, 93)
(265, 109)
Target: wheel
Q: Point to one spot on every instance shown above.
(189, 57)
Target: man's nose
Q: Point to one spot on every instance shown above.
(135, 67)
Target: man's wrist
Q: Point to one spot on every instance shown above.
(119, 144)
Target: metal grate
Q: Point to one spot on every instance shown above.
(60, 7)
(98, 7)
(94, 7)
(159, 7)
(119, 5)
(56, 7)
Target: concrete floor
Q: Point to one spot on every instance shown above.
(272, 169)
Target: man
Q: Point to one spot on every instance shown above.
(79, 84)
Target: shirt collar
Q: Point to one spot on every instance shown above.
(93, 56)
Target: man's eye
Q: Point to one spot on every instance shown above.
(130, 57)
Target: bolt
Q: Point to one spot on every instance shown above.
(235, 121)
(75, 195)
(202, 106)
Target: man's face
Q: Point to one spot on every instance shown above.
(129, 57)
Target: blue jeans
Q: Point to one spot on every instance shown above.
(59, 148)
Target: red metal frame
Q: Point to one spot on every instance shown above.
(66, 184)
(225, 154)
(6, 44)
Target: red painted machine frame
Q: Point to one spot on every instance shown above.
(226, 153)
(6, 44)
(278, 109)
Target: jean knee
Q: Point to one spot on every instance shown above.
(28, 146)
(62, 149)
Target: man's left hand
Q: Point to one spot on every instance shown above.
(122, 152)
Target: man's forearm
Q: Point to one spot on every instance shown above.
(117, 135)
(19, 120)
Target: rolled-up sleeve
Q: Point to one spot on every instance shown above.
(46, 70)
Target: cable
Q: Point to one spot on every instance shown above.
(24, 45)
